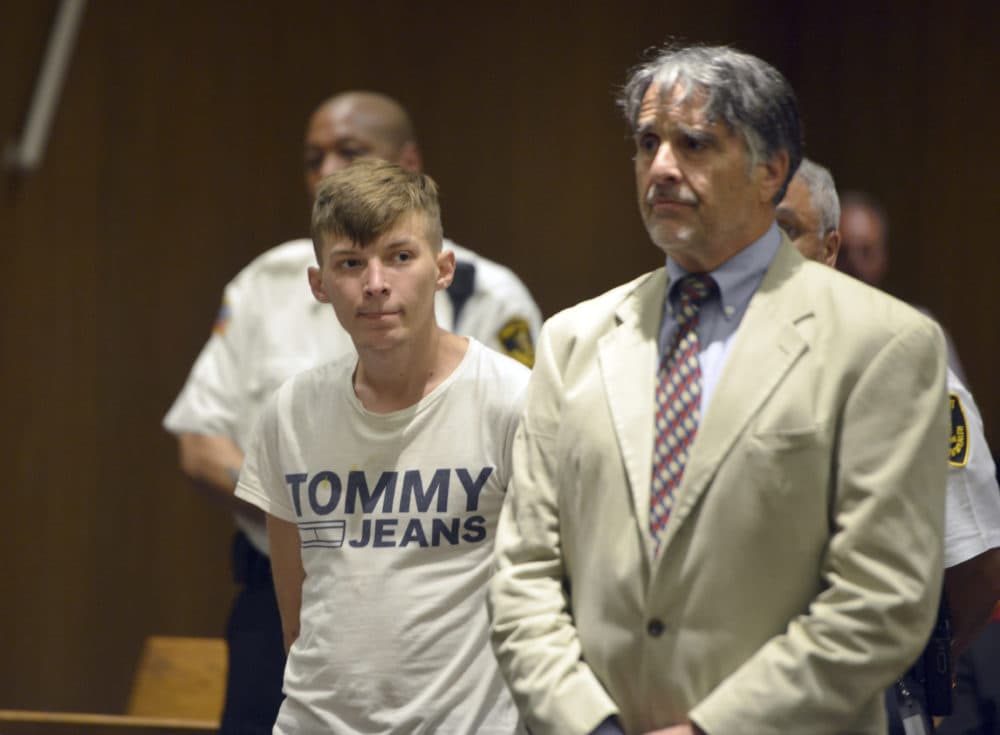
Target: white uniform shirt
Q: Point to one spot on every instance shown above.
(270, 328)
(972, 510)
(500, 313)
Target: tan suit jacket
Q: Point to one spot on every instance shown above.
(800, 571)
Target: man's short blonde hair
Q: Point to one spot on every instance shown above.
(368, 198)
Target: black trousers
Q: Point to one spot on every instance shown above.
(256, 649)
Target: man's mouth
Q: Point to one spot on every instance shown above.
(659, 200)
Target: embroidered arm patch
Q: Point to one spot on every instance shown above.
(515, 338)
(222, 318)
(958, 443)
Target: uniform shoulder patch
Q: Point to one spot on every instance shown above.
(958, 443)
(222, 318)
(515, 338)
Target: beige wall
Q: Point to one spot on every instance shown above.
(174, 159)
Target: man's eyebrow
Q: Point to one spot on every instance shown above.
(642, 128)
(789, 217)
(338, 143)
(355, 249)
(344, 250)
(402, 242)
(698, 132)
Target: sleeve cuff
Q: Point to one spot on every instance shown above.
(610, 726)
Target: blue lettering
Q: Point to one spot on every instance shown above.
(385, 530)
(475, 529)
(296, 481)
(357, 486)
(439, 529)
(414, 533)
(473, 487)
(413, 485)
(365, 533)
(334, 482)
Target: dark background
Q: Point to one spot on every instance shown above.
(175, 157)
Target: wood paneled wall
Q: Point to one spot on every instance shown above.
(175, 158)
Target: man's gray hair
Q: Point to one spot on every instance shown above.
(745, 93)
(822, 193)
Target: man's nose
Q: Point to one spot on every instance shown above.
(331, 163)
(375, 283)
(664, 166)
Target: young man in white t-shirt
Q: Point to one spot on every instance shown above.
(382, 477)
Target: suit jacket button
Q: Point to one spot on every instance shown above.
(655, 627)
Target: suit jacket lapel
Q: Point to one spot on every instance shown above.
(765, 348)
(628, 360)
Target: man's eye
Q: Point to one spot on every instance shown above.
(314, 161)
(694, 144)
(403, 256)
(791, 230)
(647, 143)
(349, 154)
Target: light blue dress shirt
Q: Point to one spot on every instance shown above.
(718, 318)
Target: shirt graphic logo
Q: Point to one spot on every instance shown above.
(323, 534)
(337, 511)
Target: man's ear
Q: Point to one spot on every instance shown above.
(775, 169)
(316, 284)
(831, 247)
(446, 269)
(410, 158)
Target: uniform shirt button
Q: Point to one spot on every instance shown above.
(655, 627)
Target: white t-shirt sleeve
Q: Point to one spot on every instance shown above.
(972, 511)
(517, 388)
(261, 481)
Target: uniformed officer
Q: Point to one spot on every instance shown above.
(810, 213)
(269, 328)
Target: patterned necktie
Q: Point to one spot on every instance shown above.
(678, 392)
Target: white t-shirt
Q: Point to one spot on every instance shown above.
(270, 328)
(972, 503)
(397, 515)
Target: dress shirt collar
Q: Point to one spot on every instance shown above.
(737, 278)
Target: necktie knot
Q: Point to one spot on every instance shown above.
(693, 290)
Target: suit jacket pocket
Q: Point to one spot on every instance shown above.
(785, 486)
(787, 440)
(790, 461)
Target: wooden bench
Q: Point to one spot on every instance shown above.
(178, 689)
(183, 678)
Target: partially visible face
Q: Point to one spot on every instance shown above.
(338, 133)
(799, 218)
(383, 294)
(863, 250)
(698, 196)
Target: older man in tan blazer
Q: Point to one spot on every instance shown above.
(728, 493)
